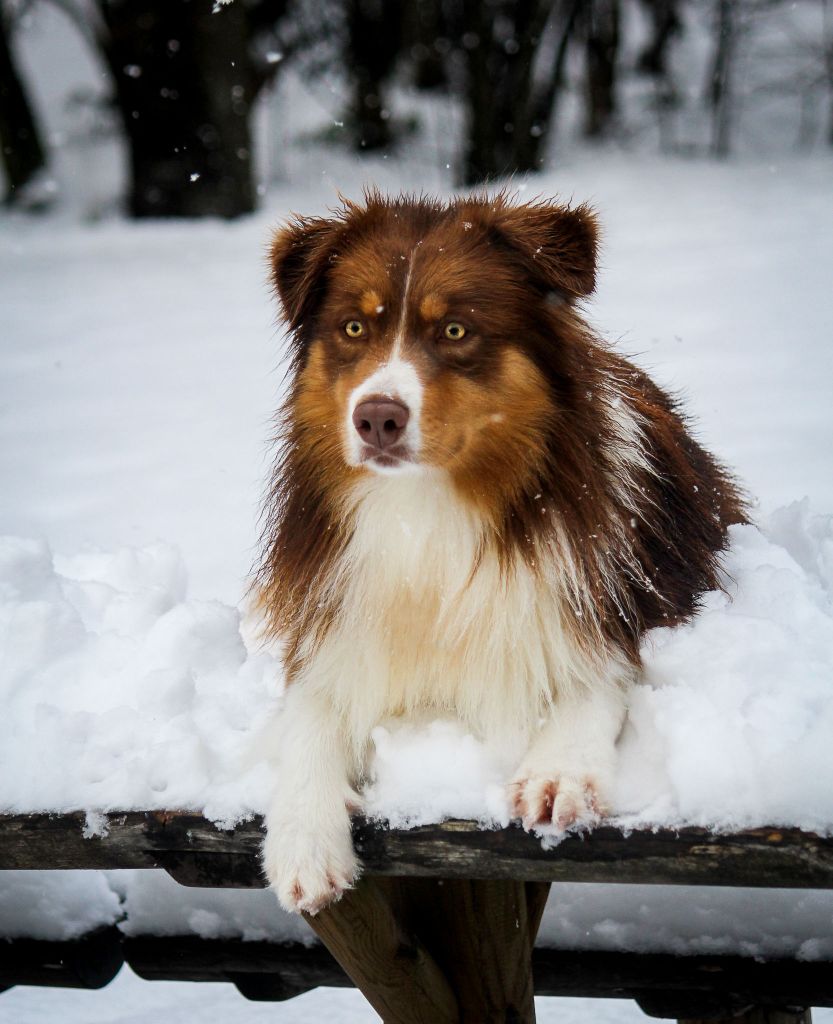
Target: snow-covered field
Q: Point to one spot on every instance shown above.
(140, 371)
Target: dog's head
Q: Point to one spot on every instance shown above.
(426, 334)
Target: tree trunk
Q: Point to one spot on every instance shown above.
(665, 24)
(827, 21)
(184, 88)
(428, 42)
(509, 104)
(720, 87)
(20, 143)
(479, 159)
(374, 38)
(602, 50)
(544, 102)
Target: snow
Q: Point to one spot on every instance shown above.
(687, 921)
(424, 772)
(155, 904)
(121, 692)
(141, 370)
(729, 729)
(118, 691)
(55, 905)
(732, 729)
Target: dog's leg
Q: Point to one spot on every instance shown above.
(566, 776)
(308, 854)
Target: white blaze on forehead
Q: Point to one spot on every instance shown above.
(399, 339)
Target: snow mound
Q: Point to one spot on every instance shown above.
(730, 728)
(154, 904)
(55, 905)
(689, 921)
(119, 693)
(733, 726)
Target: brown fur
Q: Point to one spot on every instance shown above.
(518, 412)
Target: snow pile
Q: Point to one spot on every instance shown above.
(118, 692)
(689, 921)
(730, 728)
(55, 905)
(154, 904)
(428, 771)
(734, 726)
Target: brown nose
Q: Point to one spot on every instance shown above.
(380, 421)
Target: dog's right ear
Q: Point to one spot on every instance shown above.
(301, 252)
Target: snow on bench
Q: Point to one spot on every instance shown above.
(119, 691)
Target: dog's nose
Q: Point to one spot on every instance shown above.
(380, 421)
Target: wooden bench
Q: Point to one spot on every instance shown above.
(442, 926)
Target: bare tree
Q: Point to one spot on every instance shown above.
(601, 19)
(22, 150)
(185, 74)
(374, 36)
(827, 21)
(427, 39)
(665, 25)
(654, 60)
(515, 55)
(184, 91)
(721, 81)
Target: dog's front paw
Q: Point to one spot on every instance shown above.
(555, 801)
(308, 870)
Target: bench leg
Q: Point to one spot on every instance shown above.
(384, 959)
(426, 950)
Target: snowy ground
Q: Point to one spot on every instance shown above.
(139, 376)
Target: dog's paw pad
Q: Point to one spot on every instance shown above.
(555, 802)
(309, 873)
(308, 893)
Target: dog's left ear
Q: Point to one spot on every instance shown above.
(558, 244)
(301, 252)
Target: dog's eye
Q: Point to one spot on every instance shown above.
(354, 328)
(454, 331)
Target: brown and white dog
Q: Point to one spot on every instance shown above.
(478, 509)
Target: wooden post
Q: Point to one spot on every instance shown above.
(436, 950)
(390, 966)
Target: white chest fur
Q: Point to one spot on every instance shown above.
(429, 620)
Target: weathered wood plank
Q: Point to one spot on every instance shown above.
(91, 961)
(728, 980)
(782, 858)
(733, 980)
(197, 853)
(758, 1015)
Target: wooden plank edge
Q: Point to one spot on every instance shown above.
(197, 852)
(584, 973)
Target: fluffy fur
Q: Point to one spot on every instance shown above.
(543, 507)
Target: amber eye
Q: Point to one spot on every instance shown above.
(454, 331)
(354, 328)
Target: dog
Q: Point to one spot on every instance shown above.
(477, 509)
